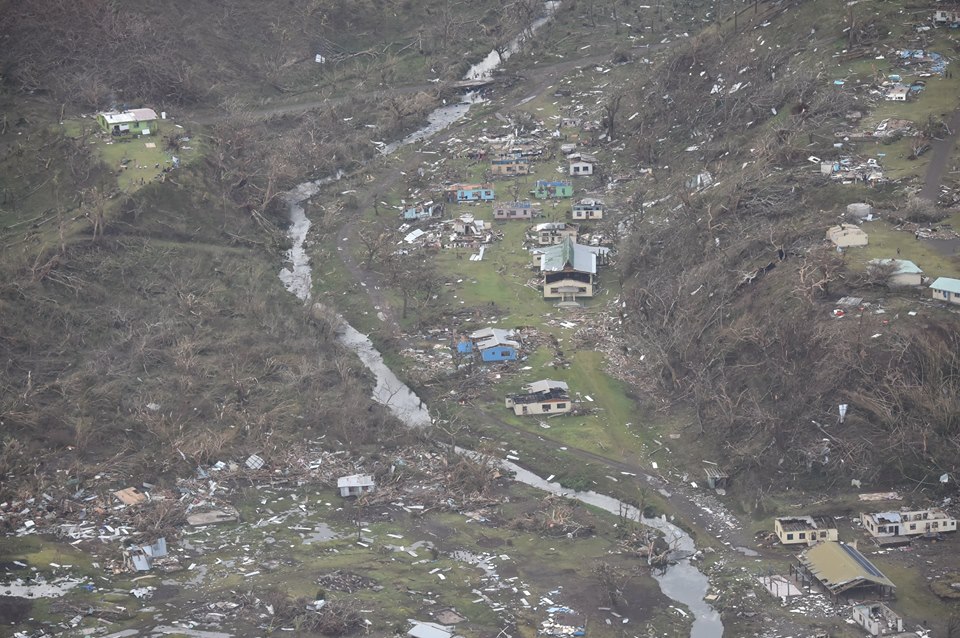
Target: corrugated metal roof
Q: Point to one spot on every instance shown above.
(947, 283)
(568, 253)
(545, 386)
(903, 266)
(133, 115)
(840, 566)
(355, 480)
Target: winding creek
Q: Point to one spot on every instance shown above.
(681, 581)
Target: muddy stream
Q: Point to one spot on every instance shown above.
(681, 581)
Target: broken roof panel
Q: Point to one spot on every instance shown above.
(840, 567)
(355, 480)
(428, 630)
(545, 385)
(569, 254)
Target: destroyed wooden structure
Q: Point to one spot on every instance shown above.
(805, 530)
(541, 397)
(716, 479)
(355, 484)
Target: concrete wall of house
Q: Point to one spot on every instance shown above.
(946, 295)
(581, 168)
(848, 238)
(553, 406)
(551, 290)
(906, 279)
(591, 213)
(804, 537)
(512, 213)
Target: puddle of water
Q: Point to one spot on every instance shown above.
(21, 589)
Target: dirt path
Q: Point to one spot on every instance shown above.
(939, 159)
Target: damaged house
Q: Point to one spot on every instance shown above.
(469, 232)
(551, 233)
(515, 210)
(509, 166)
(134, 121)
(552, 190)
(470, 193)
(908, 523)
(807, 530)
(493, 344)
(588, 209)
(541, 397)
(570, 271)
(421, 211)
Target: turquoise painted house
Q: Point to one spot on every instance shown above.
(552, 190)
(470, 193)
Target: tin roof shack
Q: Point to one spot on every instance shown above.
(470, 193)
(716, 479)
(807, 530)
(136, 121)
(877, 619)
(588, 209)
(898, 93)
(552, 190)
(903, 272)
(946, 289)
(847, 235)
(541, 397)
(570, 271)
(551, 233)
(515, 210)
(509, 166)
(355, 484)
(943, 18)
(906, 523)
(493, 344)
(842, 570)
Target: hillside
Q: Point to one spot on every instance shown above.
(699, 324)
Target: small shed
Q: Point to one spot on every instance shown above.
(136, 121)
(860, 210)
(355, 484)
(716, 479)
(946, 289)
(847, 235)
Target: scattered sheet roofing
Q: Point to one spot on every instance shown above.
(545, 385)
(568, 253)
